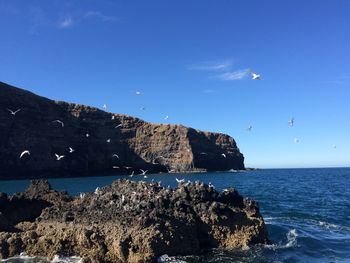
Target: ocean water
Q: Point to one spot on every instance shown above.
(307, 211)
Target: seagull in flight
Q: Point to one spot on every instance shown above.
(115, 167)
(249, 128)
(255, 76)
(24, 153)
(59, 157)
(180, 181)
(60, 122)
(87, 135)
(334, 146)
(142, 108)
(143, 171)
(104, 106)
(203, 153)
(115, 155)
(108, 140)
(223, 155)
(296, 140)
(119, 125)
(71, 150)
(166, 117)
(291, 122)
(13, 112)
(138, 92)
(127, 167)
(132, 174)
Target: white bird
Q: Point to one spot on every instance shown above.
(334, 146)
(119, 125)
(115, 167)
(113, 117)
(255, 76)
(60, 122)
(224, 155)
(142, 108)
(143, 171)
(211, 185)
(87, 135)
(82, 195)
(71, 150)
(59, 157)
(180, 181)
(138, 92)
(203, 153)
(115, 155)
(97, 190)
(23, 153)
(166, 117)
(291, 122)
(104, 106)
(296, 140)
(13, 112)
(127, 167)
(132, 174)
(108, 140)
(145, 176)
(249, 128)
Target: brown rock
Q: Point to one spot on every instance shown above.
(130, 221)
(140, 145)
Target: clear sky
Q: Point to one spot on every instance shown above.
(190, 60)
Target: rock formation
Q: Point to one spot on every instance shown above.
(127, 221)
(46, 127)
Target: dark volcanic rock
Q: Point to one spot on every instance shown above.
(140, 145)
(132, 221)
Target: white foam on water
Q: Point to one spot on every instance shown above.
(166, 259)
(23, 257)
(292, 238)
(61, 259)
(291, 241)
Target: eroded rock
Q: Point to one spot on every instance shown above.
(131, 221)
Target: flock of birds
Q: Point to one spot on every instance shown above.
(254, 76)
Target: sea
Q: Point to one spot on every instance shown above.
(307, 212)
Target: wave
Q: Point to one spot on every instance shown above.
(23, 257)
(292, 241)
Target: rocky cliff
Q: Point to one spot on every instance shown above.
(45, 128)
(127, 221)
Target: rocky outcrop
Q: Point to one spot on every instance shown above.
(129, 221)
(95, 136)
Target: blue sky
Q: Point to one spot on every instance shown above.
(190, 59)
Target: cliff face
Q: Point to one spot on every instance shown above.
(95, 136)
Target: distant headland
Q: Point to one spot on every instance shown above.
(40, 137)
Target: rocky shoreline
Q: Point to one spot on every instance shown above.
(127, 221)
